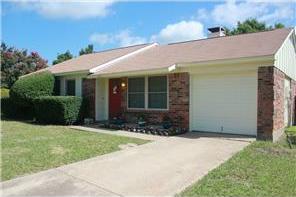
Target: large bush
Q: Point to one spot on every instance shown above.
(27, 88)
(58, 109)
(10, 110)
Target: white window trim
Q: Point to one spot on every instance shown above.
(146, 93)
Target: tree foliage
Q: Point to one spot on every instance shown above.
(87, 50)
(16, 62)
(63, 57)
(251, 25)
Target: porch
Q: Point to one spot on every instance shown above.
(157, 104)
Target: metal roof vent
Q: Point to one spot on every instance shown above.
(216, 32)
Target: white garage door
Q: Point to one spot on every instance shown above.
(224, 103)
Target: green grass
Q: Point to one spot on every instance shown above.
(291, 130)
(28, 148)
(261, 169)
(4, 92)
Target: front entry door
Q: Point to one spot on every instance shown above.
(114, 98)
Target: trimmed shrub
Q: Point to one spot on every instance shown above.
(7, 107)
(10, 110)
(27, 88)
(58, 109)
(85, 109)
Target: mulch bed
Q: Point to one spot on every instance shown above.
(148, 129)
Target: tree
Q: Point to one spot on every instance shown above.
(16, 62)
(279, 25)
(251, 25)
(63, 57)
(87, 50)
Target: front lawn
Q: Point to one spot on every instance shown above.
(28, 148)
(292, 129)
(261, 169)
(4, 92)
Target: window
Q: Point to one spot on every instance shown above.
(70, 87)
(136, 92)
(147, 92)
(57, 87)
(157, 92)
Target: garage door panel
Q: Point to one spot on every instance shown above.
(225, 103)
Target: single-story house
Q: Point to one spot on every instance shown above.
(241, 84)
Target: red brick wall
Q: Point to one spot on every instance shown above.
(89, 92)
(179, 97)
(270, 113)
(178, 102)
(279, 99)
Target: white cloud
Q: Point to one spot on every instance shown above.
(281, 12)
(101, 39)
(181, 31)
(67, 9)
(123, 38)
(230, 12)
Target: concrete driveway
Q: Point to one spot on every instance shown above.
(163, 167)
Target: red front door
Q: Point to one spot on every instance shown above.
(114, 98)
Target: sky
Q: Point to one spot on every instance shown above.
(52, 27)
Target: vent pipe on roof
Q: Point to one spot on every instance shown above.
(216, 32)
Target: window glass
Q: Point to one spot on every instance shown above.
(57, 87)
(157, 84)
(157, 92)
(136, 92)
(70, 87)
(157, 100)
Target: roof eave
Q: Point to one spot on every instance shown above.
(71, 73)
(131, 73)
(264, 58)
(174, 68)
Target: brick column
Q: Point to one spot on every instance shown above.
(179, 97)
(89, 94)
(270, 112)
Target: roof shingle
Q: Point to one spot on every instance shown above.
(89, 61)
(220, 48)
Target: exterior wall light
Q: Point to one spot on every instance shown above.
(123, 84)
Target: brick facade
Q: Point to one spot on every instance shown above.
(89, 93)
(178, 103)
(270, 112)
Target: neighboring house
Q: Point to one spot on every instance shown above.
(242, 84)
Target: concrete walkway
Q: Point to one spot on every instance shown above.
(162, 167)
